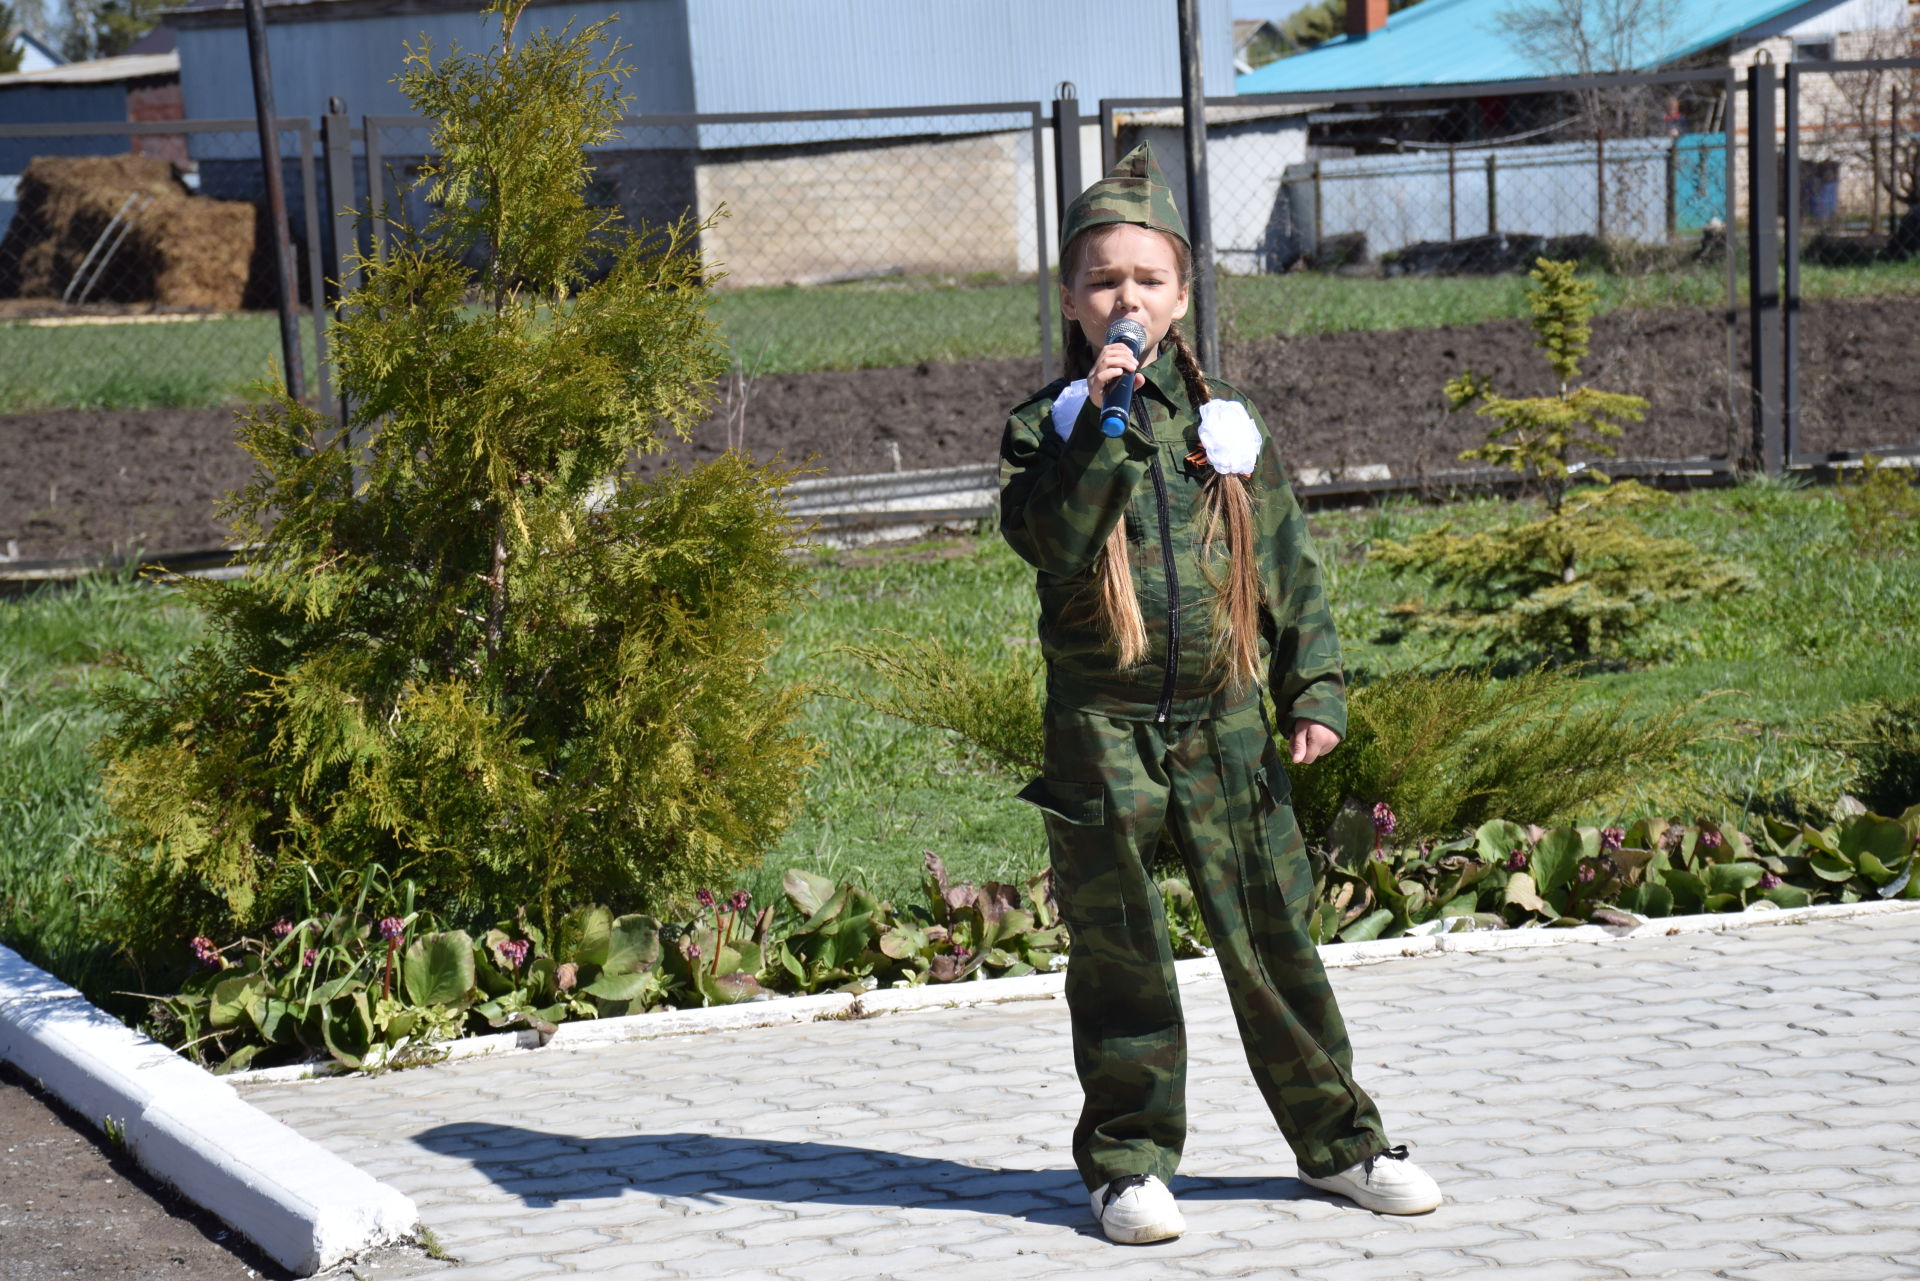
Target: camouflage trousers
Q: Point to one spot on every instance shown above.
(1219, 790)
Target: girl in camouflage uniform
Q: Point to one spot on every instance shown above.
(1175, 580)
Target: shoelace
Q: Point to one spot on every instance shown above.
(1120, 1186)
(1397, 1153)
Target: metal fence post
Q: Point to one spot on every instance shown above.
(1037, 125)
(283, 273)
(1199, 203)
(1493, 195)
(1763, 266)
(336, 134)
(1067, 182)
(1790, 284)
(1600, 186)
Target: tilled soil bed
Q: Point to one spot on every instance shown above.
(115, 483)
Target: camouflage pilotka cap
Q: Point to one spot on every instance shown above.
(1133, 191)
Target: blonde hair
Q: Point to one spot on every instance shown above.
(1236, 600)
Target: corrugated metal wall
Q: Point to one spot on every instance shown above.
(751, 55)
(357, 58)
(783, 55)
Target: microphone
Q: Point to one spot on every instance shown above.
(1119, 402)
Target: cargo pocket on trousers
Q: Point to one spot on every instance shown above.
(1085, 882)
(1280, 834)
(1081, 804)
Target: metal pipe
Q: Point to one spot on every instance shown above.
(276, 195)
(1193, 97)
(1790, 284)
(1763, 267)
(113, 225)
(113, 247)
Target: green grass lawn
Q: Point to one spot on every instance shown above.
(1827, 629)
(862, 325)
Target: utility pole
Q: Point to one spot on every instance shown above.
(1193, 96)
(283, 276)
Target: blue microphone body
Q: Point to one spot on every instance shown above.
(1118, 406)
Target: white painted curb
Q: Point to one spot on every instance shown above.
(306, 1208)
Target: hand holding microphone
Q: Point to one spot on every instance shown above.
(1117, 405)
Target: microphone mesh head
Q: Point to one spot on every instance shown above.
(1130, 332)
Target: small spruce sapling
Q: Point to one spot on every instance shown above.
(1534, 435)
(474, 650)
(1583, 580)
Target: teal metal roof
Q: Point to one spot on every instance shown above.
(1460, 42)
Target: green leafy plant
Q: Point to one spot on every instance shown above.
(847, 940)
(594, 965)
(341, 983)
(475, 651)
(1584, 579)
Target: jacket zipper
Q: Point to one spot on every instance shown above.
(1173, 591)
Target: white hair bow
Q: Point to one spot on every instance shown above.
(1228, 434)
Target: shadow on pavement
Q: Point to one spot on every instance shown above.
(542, 1169)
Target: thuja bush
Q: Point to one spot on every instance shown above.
(1882, 508)
(1583, 580)
(474, 652)
(1449, 751)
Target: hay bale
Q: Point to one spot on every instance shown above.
(180, 250)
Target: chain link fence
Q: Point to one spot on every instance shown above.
(1850, 199)
(136, 263)
(1370, 244)
(844, 240)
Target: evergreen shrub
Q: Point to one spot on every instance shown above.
(1585, 579)
(473, 651)
(1881, 740)
(1447, 751)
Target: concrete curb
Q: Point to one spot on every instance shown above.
(826, 1006)
(306, 1208)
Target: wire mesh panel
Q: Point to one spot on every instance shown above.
(1371, 244)
(136, 264)
(1850, 194)
(845, 241)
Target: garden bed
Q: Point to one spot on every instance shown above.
(101, 484)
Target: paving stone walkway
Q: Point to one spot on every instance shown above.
(1741, 1106)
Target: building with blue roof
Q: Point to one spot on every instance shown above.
(1449, 42)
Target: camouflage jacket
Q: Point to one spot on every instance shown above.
(1059, 499)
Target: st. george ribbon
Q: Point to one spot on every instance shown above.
(1118, 405)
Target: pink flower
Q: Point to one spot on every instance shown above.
(1710, 839)
(1383, 819)
(1517, 861)
(740, 901)
(282, 928)
(515, 950)
(704, 897)
(1612, 838)
(206, 953)
(1769, 881)
(308, 957)
(392, 929)
(1586, 873)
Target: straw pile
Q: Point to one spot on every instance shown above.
(180, 250)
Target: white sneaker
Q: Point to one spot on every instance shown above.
(1387, 1183)
(1135, 1210)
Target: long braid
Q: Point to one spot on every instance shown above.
(1115, 602)
(1236, 601)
